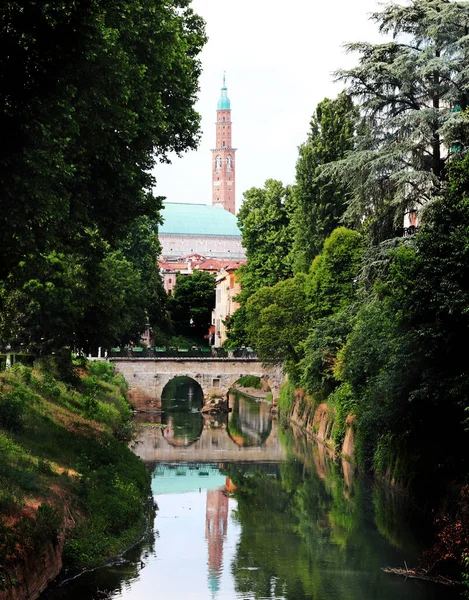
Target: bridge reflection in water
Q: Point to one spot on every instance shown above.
(181, 433)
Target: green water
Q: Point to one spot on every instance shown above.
(297, 527)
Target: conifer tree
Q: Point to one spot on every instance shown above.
(413, 95)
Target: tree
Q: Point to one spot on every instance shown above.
(193, 301)
(142, 247)
(403, 358)
(92, 94)
(277, 321)
(55, 300)
(320, 204)
(332, 282)
(413, 97)
(331, 291)
(264, 221)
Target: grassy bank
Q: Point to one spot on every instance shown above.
(65, 463)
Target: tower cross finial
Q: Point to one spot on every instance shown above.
(224, 76)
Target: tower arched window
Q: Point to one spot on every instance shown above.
(218, 163)
(223, 143)
(228, 162)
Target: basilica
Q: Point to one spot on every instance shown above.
(208, 230)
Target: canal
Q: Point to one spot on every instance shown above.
(248, 510)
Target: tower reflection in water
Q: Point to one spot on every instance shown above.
(216, 526)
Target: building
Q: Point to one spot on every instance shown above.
(223, 157)
(216, 526)
(208, 230)
(169, 269)
(199, 228)
(227, 288)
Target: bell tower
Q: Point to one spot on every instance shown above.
(223, 157)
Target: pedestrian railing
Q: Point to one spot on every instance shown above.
(194, 352)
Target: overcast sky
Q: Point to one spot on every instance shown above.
(279, 59)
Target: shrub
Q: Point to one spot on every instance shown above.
(250, 381)
(44, 467)
(107, 414)
(287, 398)
(102, 370)
(12, 405)
(10, 496)
(344, 403)
(44, 528)
(49, 387)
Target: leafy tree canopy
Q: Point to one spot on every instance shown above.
(277, 320)
(92, 93)
(332, 282)
(193, 301)
(264, 221)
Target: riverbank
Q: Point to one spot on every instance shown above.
(445, 558)
(72, 495)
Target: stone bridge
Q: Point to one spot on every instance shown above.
(147, 377)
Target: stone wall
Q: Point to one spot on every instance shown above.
(211, 246)
(317, 420)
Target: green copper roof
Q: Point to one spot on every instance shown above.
(224, 102)
(198, 219)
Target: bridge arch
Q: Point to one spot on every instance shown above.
(181, 401)
(147, 377)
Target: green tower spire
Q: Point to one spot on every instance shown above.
(224, 101)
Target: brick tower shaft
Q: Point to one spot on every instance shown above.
(223, 157)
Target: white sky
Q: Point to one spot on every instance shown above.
(279, 58)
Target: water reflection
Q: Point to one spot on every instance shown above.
(181, 401)
(246, 434)
(295, 528)
(250, 421)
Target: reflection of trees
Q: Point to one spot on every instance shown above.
(306, 536)
(181, 401)
(249, 422)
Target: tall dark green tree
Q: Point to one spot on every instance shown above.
(92, 93)
(404, 358)
(412, 94)
(192, 304)
(320, 203)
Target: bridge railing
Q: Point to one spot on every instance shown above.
(194, 352)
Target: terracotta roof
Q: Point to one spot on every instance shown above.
(210, 265)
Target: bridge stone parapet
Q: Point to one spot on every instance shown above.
(147, 377)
